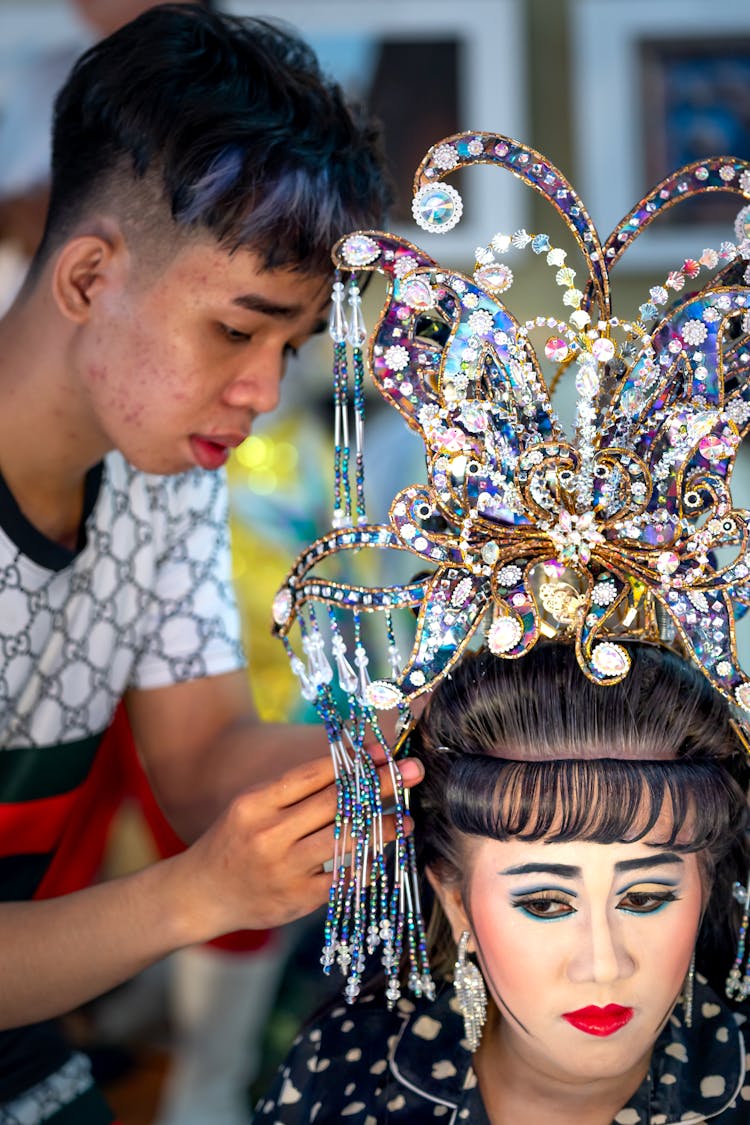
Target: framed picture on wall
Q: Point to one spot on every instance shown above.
(426, 69)
(657, 86)
(695, 95)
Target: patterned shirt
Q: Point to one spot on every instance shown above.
(145, 600)
(365, 1065)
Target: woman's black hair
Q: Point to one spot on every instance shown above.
(245, 136)
(534, 750)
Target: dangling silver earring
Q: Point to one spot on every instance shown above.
(688, 990)
(470, 993)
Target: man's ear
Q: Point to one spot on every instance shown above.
(452, 903)
(84, 267)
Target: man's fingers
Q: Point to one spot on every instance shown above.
(316, 851)
(307, 799)
(300, 783)
(319, 885)
(319, 810)
(411, 771)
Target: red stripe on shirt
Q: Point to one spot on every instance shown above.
(31, 827)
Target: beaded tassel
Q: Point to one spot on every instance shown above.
(347, 677)
(356, 336)
(394, 657)
(351, 332)
(370, 908)
(338, 328)
(738, 985)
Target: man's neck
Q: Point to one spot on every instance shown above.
(45, 446)
(57, 517)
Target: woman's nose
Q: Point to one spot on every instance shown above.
(601, 955)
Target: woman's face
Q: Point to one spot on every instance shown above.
(584, 947)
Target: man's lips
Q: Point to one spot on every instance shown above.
(213, 452)
(599, 1021)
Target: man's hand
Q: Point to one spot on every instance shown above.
(262, 863)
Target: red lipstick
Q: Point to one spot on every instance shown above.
(599, 1021)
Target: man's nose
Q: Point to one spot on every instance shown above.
(257, 387)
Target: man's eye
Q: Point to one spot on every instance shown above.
(542, 907)
(234, 334)
(645, 902)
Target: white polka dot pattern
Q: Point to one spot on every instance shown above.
(365, 1064)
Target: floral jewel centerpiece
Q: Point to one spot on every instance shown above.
(520, 531)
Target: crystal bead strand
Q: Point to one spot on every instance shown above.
(338, 328)
(394, 657)
(343, 768)
(738, 986)
(347, 677)
(357, 336)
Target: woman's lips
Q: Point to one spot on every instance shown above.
(599, 1021)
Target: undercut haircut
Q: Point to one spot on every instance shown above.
(226, 124)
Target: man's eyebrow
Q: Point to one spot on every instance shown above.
(563, 869)
(253, 302)
(648, 861)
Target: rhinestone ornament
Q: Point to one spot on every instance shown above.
(383, 696)
(610, 659)
(437, 209)
(360, 250)
(503, 635)
(281, 607)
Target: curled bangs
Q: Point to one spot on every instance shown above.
(602, 800)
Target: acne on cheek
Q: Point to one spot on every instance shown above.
(134, 414)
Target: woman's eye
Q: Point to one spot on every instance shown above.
(645, 902)
(544, 907)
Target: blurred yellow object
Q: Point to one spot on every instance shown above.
(276, 509)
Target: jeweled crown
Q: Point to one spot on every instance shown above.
(520, 531)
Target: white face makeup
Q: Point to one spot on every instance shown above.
(583, 946)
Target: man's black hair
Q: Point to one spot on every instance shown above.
(245, 137)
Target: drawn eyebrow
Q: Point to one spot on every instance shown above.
(648, 861)
(564, 870)
(568, 871)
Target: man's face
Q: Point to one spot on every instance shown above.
(176, 368)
